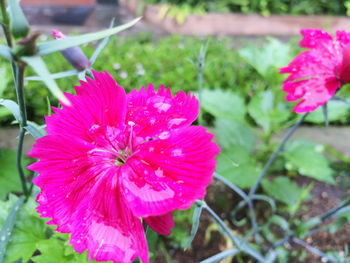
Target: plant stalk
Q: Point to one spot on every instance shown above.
(19, 73)
(275, 154)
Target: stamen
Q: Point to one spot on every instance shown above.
(129, 147)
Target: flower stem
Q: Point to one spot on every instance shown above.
(238, 242)
(19, 77)
(275, 154)
(313, 250)
(19, 161)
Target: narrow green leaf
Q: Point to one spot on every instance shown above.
(39, 66)
(196, 215)
(18, 22)
(62, 44)
(59, 75)
(220, 256)
(35, 130)
(5, 52)
(6, 230)
(100, 46)
(13, 107)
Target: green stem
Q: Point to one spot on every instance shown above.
(19, 161)
(275, 154)
(238, 242)
(19, 77)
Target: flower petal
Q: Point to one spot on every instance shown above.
(314, 75)
(161, 224)
(64, 176)
(79, 192)
(322, 90)
(154, 112)
(99, 103)
(105, 225)
(170, 172)
(315, 38)
(342, 37)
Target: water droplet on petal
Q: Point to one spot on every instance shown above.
(162, 106)
(176, 121)
(159, 172)
(176, 153)
(3, 238)
(164, 135)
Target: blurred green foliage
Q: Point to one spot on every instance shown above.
(265, 7)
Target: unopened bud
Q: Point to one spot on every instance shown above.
(344, 72)
(26, 46)
(74, 55)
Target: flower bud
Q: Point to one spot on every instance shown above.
(74, 55)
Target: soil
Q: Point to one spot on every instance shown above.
(324, 197)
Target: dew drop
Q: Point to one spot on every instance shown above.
(164, 135)
(162, 107)
(159, 172)
(176, 153)
(176, 121)
(3, 238)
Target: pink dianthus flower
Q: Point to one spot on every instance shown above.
(110, 159)
(316, 74)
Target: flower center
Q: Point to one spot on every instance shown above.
(123, 154)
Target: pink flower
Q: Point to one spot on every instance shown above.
(316, 74)
(110, 159)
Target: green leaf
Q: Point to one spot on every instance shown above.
(9, 179)
(13, 107)
(220, 256)
(266, 60)
(18, 22)
(306, 158)
(152, 239)
(195, 224)
(337, 111)
(59, 75)
(283, 189)
(35, 130)
(5, 52)
(28, 232)
(223, 104)
(51, 251)
(232, 133)
(7, 227)
(62, 44)
(264, 112)
(40, 68)
(100, 46)
(237, 166)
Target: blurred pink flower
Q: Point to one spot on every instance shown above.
(110, 159)
(316, 74)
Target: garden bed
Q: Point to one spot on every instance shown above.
(234, 24)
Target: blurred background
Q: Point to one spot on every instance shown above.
(246, 42)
